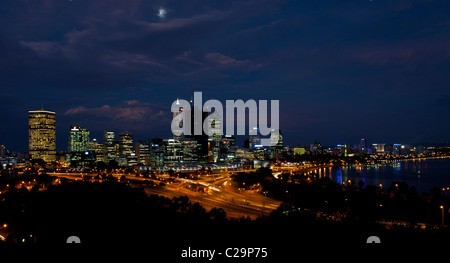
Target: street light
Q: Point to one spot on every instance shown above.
(442, 208)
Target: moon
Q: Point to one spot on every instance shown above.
(162, 12)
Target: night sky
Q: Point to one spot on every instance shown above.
(342, 70)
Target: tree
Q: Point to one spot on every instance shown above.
(101, 165)
(218, 214)
(122, 179)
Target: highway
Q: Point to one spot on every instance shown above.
(210, 191)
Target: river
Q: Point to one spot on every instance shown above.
(423, 173)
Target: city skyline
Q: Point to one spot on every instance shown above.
(240, 139)
(341, 71)
(84, 151)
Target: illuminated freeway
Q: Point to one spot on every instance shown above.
(210, 191)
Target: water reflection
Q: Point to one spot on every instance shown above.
(421, 173)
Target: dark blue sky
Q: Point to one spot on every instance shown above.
(342, 70)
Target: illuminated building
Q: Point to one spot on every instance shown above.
(396, 148)
(97, 149)
(215, 137)
(156, 152)
(125, 143)
(228, 148)
(180, 127)
(42, 135)
(78, 139)
(109, 152)
(78, 146)
(316, 148)
(202, 138)
(254, 138)
(189, 147)
(2, 149)
(173, 151)
(300, 150)
(143, 152)
(363, 145)
(379, 147)
(276, 139)
(204, 148)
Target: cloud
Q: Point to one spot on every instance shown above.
(133, 114)
(226, 60)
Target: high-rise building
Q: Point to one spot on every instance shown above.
(202, 139)
(189, 147)
(143, 152)
(125, 143)
(2, 149)
(254, 138)
(78, 139)
(215, 137)
(396, 149)
(276, 139)
(316, 147)
(379, 147)
(227, 148)
(178, 128)
(363, 145)
(173, 151)
(78, 154)
(108, 146)
(156, 152)
(188, 132)
(97, 149)
(42, 135)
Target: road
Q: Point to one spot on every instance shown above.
(210, 191)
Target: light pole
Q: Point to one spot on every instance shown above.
(442, 208)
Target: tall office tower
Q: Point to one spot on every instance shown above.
(108, 146)
(316, 148)
(2, 149)
(96, 148)
(363, 145)
(215, 137)
(143, 152)
(78, 139)
(254, 138)
(202, 138)
(125, 143)
(379, 147)
(179, 128)
(42, 135)
(173, 151)
(156, 152)
(276, 138)
(189, 147)
(227, 148)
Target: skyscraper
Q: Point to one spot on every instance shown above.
(254, 138)
(125, 143)
(108, 146)
(363, 145)
(42, 135)
(78, 139)
(215, 137)
(143, 152)
(202, 138)
(179, 128)
(97, 149)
